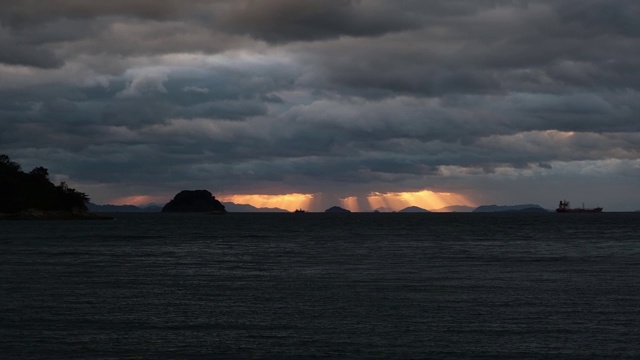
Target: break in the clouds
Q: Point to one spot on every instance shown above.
(497, 101)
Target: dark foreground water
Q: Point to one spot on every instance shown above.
(298, 286)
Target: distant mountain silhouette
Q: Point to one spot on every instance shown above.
(337, 209)
(413, 209)
(151, 208)
(455, 208)
(194, 201)
(382, 209)
(508, 208)
(122, 208)
(529, 210)
(229, 207)
(233, 207)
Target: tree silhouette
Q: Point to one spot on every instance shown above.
(40, 172)
(20, 191)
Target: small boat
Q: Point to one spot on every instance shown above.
(299, 211)
(565, 207)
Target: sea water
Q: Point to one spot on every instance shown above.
(299, 286)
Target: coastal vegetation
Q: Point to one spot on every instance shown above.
(32, 195)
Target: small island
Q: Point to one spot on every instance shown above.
(32, 196)
(337, 210)
(194, 201)
(414, 209)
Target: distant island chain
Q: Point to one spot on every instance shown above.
(33, 196)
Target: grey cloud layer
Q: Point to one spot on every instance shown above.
(315, 95)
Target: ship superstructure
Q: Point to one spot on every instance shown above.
(565, 207)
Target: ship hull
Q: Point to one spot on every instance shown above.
(596, 210)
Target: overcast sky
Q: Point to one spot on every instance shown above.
(491, 101)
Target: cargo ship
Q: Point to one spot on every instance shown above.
(565, 207)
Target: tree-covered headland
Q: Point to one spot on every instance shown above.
(33, 192)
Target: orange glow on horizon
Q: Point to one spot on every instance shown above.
(289, 202)
(425, 199)
(350, 203)
(139, 200)
(391, 201)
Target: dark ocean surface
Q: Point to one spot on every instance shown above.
(300, 286)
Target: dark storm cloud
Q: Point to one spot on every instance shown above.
(603, 17)
(342, 97)
(502, 49)
(16, 54)
(27, 12)
(66, 112)
(281, 21)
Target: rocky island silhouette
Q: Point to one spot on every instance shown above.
(337, 210)
(194, 201)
